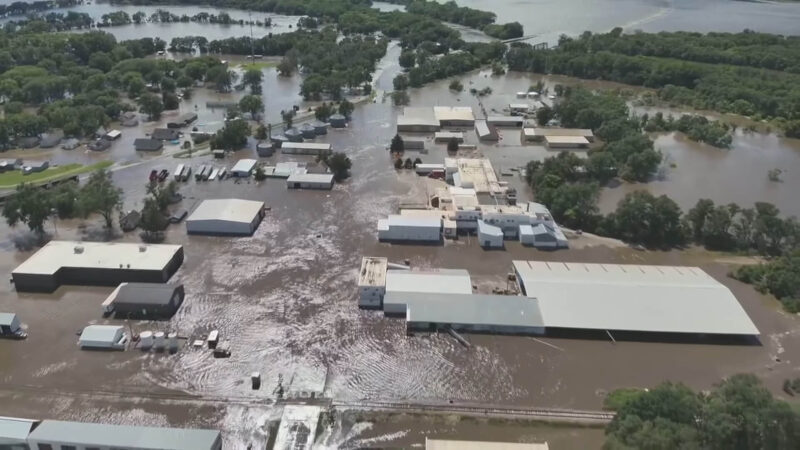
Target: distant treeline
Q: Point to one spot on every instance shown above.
(755, 75)
(461, 15)
(23, 8)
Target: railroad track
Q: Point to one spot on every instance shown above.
(495, 411)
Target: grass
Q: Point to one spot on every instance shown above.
(616, 399)
(258, 65)
(10, 180)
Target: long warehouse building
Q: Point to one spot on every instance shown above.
(636, 298)
(96, 263)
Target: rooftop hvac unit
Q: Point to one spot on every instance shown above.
(142, 249)
(78, 249)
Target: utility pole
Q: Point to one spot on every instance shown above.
(252, 43)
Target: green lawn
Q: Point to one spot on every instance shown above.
(258, 65)
(10, 180)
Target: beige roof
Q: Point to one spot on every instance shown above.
(102, 255)
(373, 271)
(478, 174)
(416, 115)
(227, 209)
(450, 113)
(579, 140)
(446, 444)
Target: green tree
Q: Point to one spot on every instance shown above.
(324, 111)
(64, 199)
(642, 218)
(29, 205)
(407, 59)
(544, 115)
(397, 145)
(346, 108)
(253, 78)
(400, 98)
(398, 163)
(170, 101)
(252, 104)
(151, 105)
(153, 221)
(339, 164)
(232, 136)
(259, 173)
(601, 166)
(99, 195)
(455, 86)
(452, 145)
(261, 132)
(400, 82)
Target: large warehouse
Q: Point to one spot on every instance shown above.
(401, 283)
(398, 228)
(232, 217)
(658, 299)
(96, 263)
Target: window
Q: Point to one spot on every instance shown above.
(45, 447)
(68, 447)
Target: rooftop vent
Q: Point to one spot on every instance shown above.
(142, 249)
(78, 249)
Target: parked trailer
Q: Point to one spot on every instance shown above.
(201, 174)
(179, 172)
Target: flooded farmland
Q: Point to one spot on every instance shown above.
(286, 299)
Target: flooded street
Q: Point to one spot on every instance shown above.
(286, 297)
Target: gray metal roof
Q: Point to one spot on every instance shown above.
(490, 230)
(7, 318)
(100, 333)
(325, 178)
(633, 298)
(441, 281)
(124, 436)
(14, 430)
(227, 210)
(474, 309)
(414, 221)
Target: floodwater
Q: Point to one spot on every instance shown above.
(285, 298)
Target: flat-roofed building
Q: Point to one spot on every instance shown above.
(446, 444)
(417, 119)
(310, 181)
(485, 131)
(447, 136)
(635, 298)
(477, 174)
(103, 337)
(144, 300)
(305, 148)
(243, 167)
(505, 314)
(399, 283)
(538, 134)
(56, 434)
(231, 216)
(398, 228)
(454, 116)
(562, 142)
(505, 121)
(426, 168)
(543, 235)
(147, 145)
(372, 282)
(96, 263)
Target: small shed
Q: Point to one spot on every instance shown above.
(243, 167)
(308, 131)
(310, 181)
(165, 134)
(338, 121)
(35, 166)
(293, 135)
(147, 145)
(9, 324)
(489, 236)
(265, 149)
(108, 337)
(320, 127)
(145, 300)
(99, 145)
(218, 153)
(50, 140)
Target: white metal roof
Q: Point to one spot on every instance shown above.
(633, 298)
(244, 165)
(448, 135)
(414, 221)
(453, 113)
(566, 140)
(324, 178)
(490, 230)
(228, 209)
(440, 281)
(558, 132)
(14, 430)
(100, 333)
(306, 145)
(417, 116)
(106, 255)
(511, 119)
(124, 436)
(443, 444)
(298, 427)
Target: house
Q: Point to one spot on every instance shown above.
(103, 337)
(231, 217)
(144, 300)
(35, 166)
(310, 181)
(147, 145)
(243, 167)
(165, 134)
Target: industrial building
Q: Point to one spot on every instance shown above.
(147, 145)
(539, 134)
(103, 337)
(565, 142)
(542, 235)
(635, 298)
(506, 121)
(427, 119)
(372, 282)
(485, 131)
(426, 168)
(55, 434)
(449, 226)
(476, 313)
(286, 169)
(305, 148)
(14, 433)
(444, 444)
(243, 167)
(397, 228)
(310, 181)
(96, 263)
(231, 217)
(298, 427)
(401, 283)
(477, 174)
(447, 136)
(144, 300)
(454, 116)
(489, 236)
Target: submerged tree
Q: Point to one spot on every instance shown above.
(99, 195)
(29, 205)
(397, 146)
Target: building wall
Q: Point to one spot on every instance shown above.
(412, 233)
(490, 241)
(371, 296)
(309, 185)
(474, 328)
(222, 227)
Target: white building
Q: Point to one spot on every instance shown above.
(425, 168)
(108, 337)
(310, 181)
(372, 282)
(539, 134)
(226, 217)
(489, 236)
(542, 235)
(446, 136)
(55, 434)
(305, 148)
(566, 142)
(454, 116)
(400, 283)
(9, 324)
(397, 228)
(520, 108)
(243, 167)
